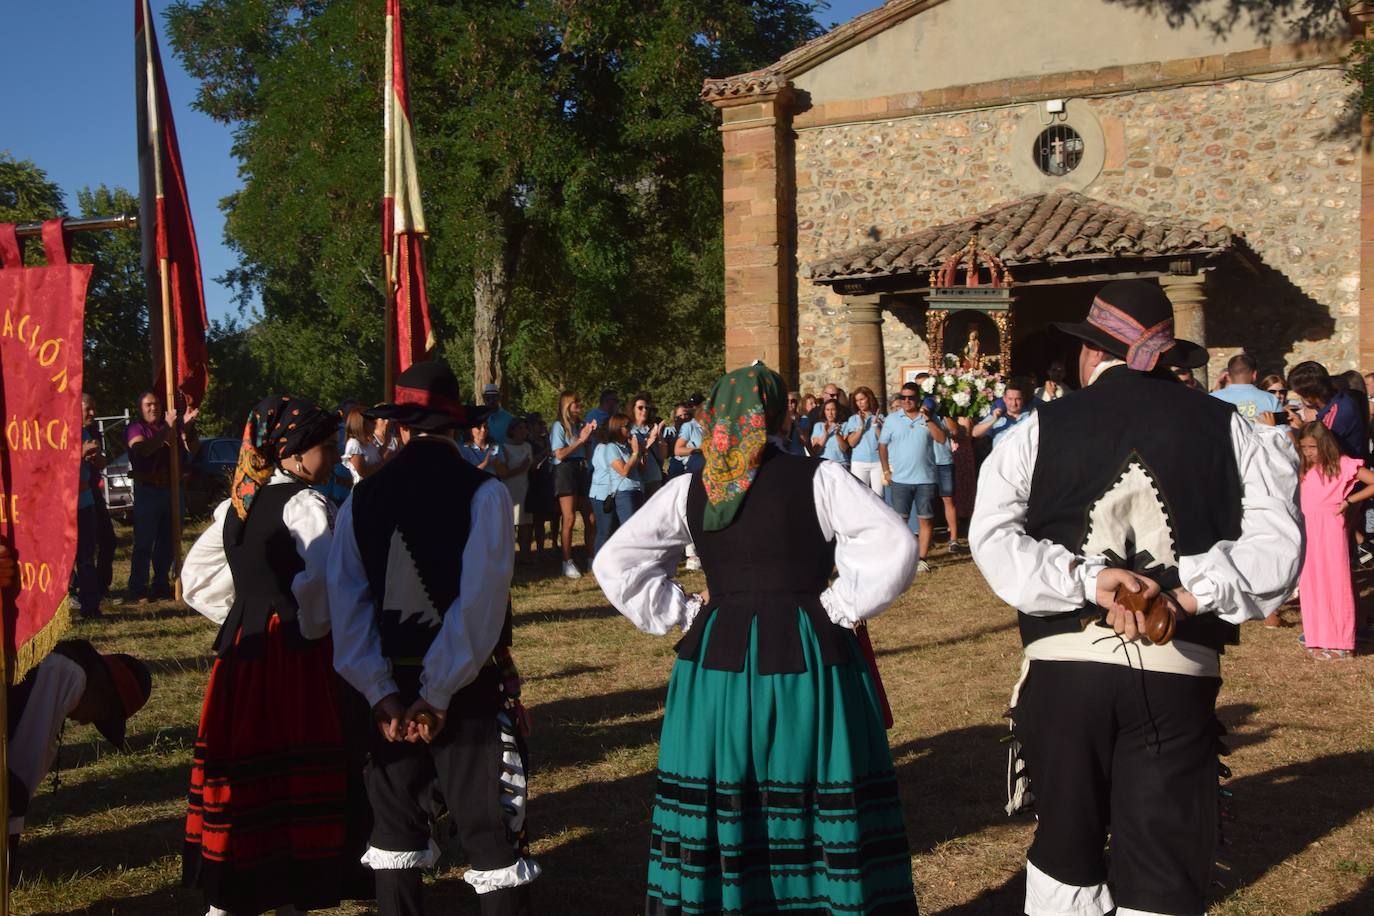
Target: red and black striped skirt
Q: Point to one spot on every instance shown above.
(266, 824)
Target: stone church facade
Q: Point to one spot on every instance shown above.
(1073, 141)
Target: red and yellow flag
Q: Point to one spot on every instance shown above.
(164, 216)
(403, 216)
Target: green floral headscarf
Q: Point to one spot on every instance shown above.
(746, 407)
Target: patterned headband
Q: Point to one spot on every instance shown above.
(1143, 345)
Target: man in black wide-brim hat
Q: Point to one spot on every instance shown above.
(1150, 489)
(419, 592)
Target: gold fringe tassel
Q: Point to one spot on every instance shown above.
(30, 654)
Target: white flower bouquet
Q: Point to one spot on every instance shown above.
(964, 392)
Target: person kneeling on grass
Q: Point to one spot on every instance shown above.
(74, 682)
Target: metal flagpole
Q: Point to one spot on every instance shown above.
(85, 224)
(173, 418)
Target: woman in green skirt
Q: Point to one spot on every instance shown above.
(776, 791)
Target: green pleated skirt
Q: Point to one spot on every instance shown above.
(776, 792)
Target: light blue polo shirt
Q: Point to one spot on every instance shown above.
(650, 471)
(1004, 425)
(498, 424)
(613, 452)
(910, 455)
(867, 449)
(832, 450)
(599, 415)
(943, 451)
(475, 456)
(560, 438)
(692, 433)
(1249, 401)
(602, 485)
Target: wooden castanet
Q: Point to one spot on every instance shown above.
(1159, 617)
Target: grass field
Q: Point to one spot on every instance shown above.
(108, 839)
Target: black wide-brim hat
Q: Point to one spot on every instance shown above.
(427, 399)
(123, 677)
(1134, 320)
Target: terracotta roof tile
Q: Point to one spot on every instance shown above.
(1040, 229)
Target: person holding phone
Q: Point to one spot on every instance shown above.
(648, 429)
(906, 451)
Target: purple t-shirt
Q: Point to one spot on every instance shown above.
(152, 469)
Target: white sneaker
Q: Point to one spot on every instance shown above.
(570, 570)
(693, 563)
(922, 567)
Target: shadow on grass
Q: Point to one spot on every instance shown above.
(144, 786)
(583, 730)
(199, 664)
(1362, 904)
(148, 612)
(168, 901)
(971, 636)
(574, 671)
(998, 901)
(952, 784)
(58, 857)
(530, 618)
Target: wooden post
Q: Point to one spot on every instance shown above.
(169, 372)
(389, 316)
(4, 768)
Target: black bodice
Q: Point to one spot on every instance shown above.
(264, 561)
(771, 561)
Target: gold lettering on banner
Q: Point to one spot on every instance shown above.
(46, 361)
(9, 508)
(31, 575)
(47, 352)
(34, 435)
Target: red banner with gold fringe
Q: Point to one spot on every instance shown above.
(42, 312)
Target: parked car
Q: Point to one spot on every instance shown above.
(211, 472)
(119, 488)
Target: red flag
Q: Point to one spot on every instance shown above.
(403, 217)
(165, 220)
(40, 455)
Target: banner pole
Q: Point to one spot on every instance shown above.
(171, 417)
(85, 224)
(389, 361)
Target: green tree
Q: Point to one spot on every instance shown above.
(571, 177)
(27, 196)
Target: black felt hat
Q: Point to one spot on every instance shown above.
(427, 399)
(1134, 320)
(121, 677)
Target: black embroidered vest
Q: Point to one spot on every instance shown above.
(772, 560)
(264, 561)
(425, 493)
(1140, 469)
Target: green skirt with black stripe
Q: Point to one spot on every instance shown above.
(776, 792)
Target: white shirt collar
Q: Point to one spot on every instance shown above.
(1103, 367)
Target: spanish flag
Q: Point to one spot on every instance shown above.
(164, 216)
(403, 216)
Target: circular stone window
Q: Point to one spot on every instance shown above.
(1058, 150)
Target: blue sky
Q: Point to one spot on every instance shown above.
(69, 66)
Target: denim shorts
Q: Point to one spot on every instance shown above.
(914, 499)
(945, 474)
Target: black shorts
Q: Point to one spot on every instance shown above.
(572, 478)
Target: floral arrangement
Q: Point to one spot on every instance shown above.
(963, 392)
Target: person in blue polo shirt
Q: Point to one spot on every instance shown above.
(828, 440)
(1004, 418)
(905, 449)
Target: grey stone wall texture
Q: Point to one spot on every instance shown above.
(1276, 158)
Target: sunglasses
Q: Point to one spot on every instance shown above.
(907, 397)
(1278, 390)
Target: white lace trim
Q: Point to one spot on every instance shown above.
(376, 858)
(522, 872)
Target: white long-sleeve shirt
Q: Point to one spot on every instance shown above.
(471, 625)
(57, 689)
(1238, 580)
(208, 584)
(875, 554)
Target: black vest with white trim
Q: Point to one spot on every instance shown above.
(264, 561)
(1139, 469)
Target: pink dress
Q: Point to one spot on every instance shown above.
(1325, 589)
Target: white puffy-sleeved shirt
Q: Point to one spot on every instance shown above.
(58, 686)
(1244, 579)
(875, 554)
(471, 625)
(208, 584)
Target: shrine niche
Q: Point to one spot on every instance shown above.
(971, 321)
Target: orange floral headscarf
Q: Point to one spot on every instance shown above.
(746, 407)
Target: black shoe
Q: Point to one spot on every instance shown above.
(956, 547)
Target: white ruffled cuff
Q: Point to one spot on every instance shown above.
(376, 858)
(522, 872)
(694, 605)
(834, 609)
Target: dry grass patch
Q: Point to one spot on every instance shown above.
(108, 840)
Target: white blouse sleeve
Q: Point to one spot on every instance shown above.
(1036, 577)
(875, 551)
(207, 585)
(309, 516)
(472, 625)
(57, 689)
(1250, 577)
(357, 643)
(635, 567)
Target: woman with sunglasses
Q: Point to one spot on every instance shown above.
(646, 427)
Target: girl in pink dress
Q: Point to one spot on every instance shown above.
(1326, 494)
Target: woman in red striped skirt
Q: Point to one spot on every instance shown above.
(267, 826)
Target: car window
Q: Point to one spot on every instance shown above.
(224, 451)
